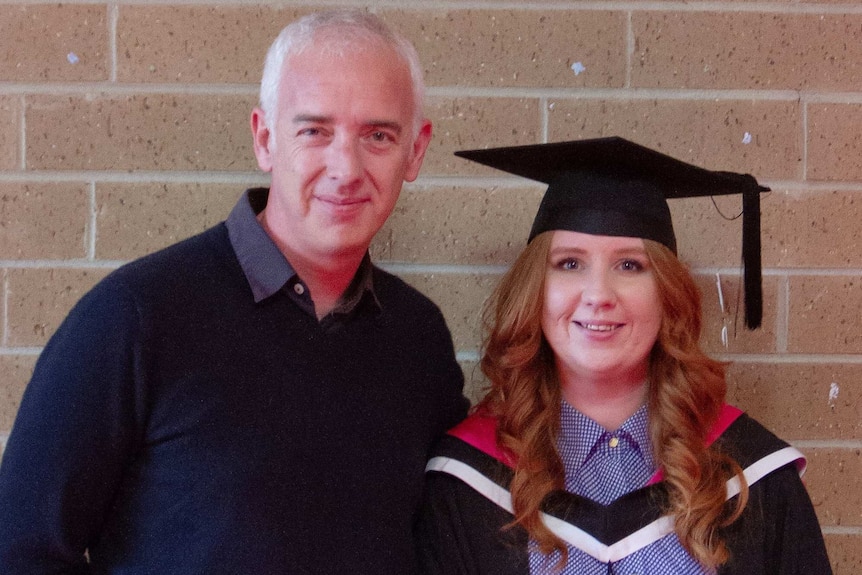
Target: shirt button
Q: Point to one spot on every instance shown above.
(614, 442)
(299, 289)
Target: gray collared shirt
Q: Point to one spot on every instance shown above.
(268, 271)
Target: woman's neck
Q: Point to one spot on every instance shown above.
(607, 403)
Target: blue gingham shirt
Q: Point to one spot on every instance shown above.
(603, 465)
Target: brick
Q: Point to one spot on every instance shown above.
(845, 553)
(51, 43)
(707, 238)
(141, 132)
(15, 372)
(475, 383)
(746, 50)
(739, 338)
(460, 297)
(824, 314)
(517, 48)
(800, 400)
(470, 123)
(834, 481)
(10, 117)
(4, 273)
(458, 226)
(833, 144)
(708, 133)
(136, 219)
(708, 233)
(816, 229)
(188, 43)
(39, 299)
(43, 220)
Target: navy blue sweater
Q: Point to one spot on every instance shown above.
(173, 425)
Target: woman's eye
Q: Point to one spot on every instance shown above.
(568, 264)
(631, 266)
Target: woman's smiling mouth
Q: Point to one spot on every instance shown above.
(601, 327)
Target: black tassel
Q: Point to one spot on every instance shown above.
(751, 257)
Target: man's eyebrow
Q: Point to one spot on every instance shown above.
(311, 119)
(387, 125)
(396, 127)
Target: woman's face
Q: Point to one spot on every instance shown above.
(601, 312)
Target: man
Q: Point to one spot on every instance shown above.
(259, 398)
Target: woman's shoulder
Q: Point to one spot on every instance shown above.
(758, 450)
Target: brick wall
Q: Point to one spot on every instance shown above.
(124, 127)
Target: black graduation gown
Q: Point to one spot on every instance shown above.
(461, 528)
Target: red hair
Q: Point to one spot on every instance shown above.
(686, 393)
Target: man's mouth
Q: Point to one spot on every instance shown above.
(341, 201)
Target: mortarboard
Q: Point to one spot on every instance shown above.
(611, 186)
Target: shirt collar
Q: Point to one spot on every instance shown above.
(362, 284)
(581, 435)
(265, 267)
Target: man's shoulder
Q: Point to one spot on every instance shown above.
(393, 290)
(191, 264)
(207, 245)
(178, 261)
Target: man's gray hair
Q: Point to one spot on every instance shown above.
(353, 26)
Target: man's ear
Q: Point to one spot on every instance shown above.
(260, 134)
(417, 151)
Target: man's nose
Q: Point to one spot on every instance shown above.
(344, 159)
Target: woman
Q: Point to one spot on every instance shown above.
(604, 444)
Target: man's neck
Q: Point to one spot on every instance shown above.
(326, 277)
(326, 283)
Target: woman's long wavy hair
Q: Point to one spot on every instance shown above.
(686, 393)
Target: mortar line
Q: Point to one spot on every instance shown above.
(113, 17)
(91, 231)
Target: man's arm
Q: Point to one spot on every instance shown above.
(449, 382)
(69, 444)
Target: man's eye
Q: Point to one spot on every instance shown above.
(380, 137)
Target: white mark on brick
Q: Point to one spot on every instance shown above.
(834, 388)
(578, 68)
(746, 138)
(724, 340)
(72, 58)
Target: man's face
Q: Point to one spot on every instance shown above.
(344, 144)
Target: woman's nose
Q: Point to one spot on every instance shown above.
(598, 289)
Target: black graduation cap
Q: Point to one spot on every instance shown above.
(611, 186)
